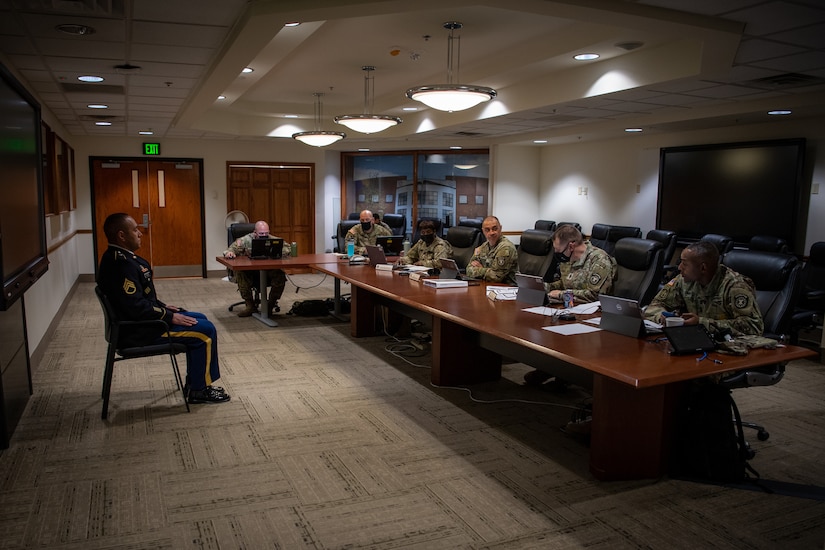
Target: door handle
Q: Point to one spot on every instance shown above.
(145, 224)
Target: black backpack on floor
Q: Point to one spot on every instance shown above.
(709, 443)
(310, 308)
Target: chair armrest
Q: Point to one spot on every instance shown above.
(761, 376)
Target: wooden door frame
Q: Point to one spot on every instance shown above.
(147, 160)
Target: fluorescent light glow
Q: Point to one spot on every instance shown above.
(221, 97)
(539, 141)
(90, 78)
(780, 112)
(103, 123)
(247, 70)
(97, 106)
(292, 24)
(455, 147)
(409, 108)
(290, 116)
(632, 130)
(146, 133)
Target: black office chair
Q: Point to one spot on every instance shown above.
(535, 252)
(545, 225)
(464, 241)
(233, 232)
(117, 351)
(341, 234)
(639, 269)
(574, 224)
(767, 243)
(810, 309)
(777, 280)
(614, 234)
(397, 223)
(599, 234)
(723, 243)
(471, 222)
(668, 240)
(354, 216)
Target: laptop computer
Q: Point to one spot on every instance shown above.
(531, 290)
(450, 270)
(392, 245)
(268, 248)
(376, 254)
(624, 316)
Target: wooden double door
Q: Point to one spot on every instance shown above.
(165, 197)
(283, 195)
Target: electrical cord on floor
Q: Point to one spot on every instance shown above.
(398, 347)
(494, 401)
(297, 287)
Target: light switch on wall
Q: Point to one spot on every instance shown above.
(815, 189)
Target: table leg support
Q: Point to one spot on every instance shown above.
(263, 316)
(458, 358)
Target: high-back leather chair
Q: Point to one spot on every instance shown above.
(464, 241)
(535, 252)
(810, 308)
(669, 241)
(577, 225)
(639, 266)
(341, 234)
(545, 225)
(723, 243)
(777, 278)
(599, 234)
(471, 222)
(354, 216)
(396, 222)
(767, 243)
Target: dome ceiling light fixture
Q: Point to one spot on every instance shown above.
(368, 123)
(318, 137)
(451, 97)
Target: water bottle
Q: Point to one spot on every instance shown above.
(350, 248)
(293, 249)
(406, 245)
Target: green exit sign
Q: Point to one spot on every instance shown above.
(151, 148)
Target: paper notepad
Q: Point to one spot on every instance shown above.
(445, 283)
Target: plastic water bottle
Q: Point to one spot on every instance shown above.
(406, 245)
(293, 249)
(350, 249)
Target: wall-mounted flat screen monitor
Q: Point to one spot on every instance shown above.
(22, 223)
(735, 189)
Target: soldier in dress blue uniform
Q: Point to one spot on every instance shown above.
(126, 279)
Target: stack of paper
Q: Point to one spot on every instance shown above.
(445, 283)
(500, 293)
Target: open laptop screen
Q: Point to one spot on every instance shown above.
(392, 245)
(268, 248)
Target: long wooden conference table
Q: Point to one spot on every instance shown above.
(245, 263)
(635, 383)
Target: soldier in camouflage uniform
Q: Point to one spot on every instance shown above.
(429, 250)
(366, 233)
(585, 269)
(709, 293)
(496, 260)
(246, 280)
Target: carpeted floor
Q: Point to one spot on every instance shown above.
(334, 443)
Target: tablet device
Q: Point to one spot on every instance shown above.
(531, 290)
(688, 339)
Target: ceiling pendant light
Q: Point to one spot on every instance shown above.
(368, 123)
(451, 97)
(318, 137)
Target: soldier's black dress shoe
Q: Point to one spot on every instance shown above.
(209, 394)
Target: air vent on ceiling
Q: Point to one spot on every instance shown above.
(110, 89)
(468, 134)
(785, 80)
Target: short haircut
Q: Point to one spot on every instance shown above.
(568, 234)
(498, 223)
(113, 224)
(426, 224)
(705, 252)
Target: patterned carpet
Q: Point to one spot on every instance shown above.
(333, 443)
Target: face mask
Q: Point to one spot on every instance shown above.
(428, 238)
(366, 226)
(561, 257)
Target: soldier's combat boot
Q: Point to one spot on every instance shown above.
(248, 310)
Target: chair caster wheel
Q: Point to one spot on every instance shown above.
(762, 435)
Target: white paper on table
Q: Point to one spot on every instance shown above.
(593, 321)
(573, 328)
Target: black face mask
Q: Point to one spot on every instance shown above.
(366, 226)
(428, 238)
(561, 257)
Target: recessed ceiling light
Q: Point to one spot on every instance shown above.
(221, 97)
(455, 147)
(292, 24)
(146, 133)
(780, 112)
(97, 106)
(90, 78)
(586, 56)
(247, 70)
(103, 123)
(539, 141)
(75, 30)
(632, 130)
(290, 116)
(409, 109)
